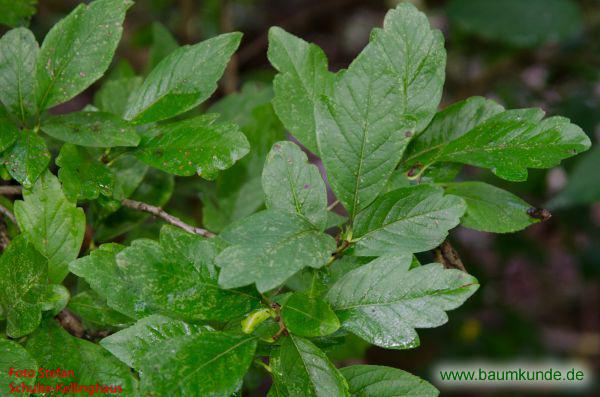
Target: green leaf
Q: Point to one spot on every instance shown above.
(265, 250)
(383, 302)
(8, 131)
(514, 140)
(23, 271)
(177, 277)
(27, 158)
(95, 314)
(410, 219)
(516, 23)
(93, 129)
(240, 107)
(448, 125)
(78, 50)
(53, 224)
(389, 92)
(378, 381)
(114, 95)
(131, 345)
(163, 44)
(491, 209)
(53, 348)
(294, 185)
(183, 80)
(206, 364)
(14, 13)
(300, 369)
(13, 355)
(194, 146)
(582, 186)
(54, 298)
(303, 77)
(308, 316)
(237, 192)
(82, 177)
(18, 54)
(99, 269)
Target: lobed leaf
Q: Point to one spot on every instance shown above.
(78, 50)
(265, 250)
(303, 77)
(292, 184)
(384, 301)
(53, 224)
(410, 219)
(183, 80)
(389, 92)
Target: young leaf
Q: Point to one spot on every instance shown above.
(491, 209)
(183, 80)
(514, 140)
(82, 177)
(27, 158)
(24, 272)
(8, 130)
(582, 186)
(448, 125)
(194, 146)
(265, 250)
(53, 224)
(15, 13)
(53, 348)
(383, 302)
(292, 184)
(389, 92)
(18, 54)
(300, 369)
(92, 129)
(177, 276)
(308, 316)
(378, 381)
(410, 219)
(78, 50)
(205, 364)
(303, 77)
(13, 355)
(131, 345)
(95, 314)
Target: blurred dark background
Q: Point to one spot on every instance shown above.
(540, 290)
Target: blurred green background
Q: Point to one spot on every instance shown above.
(540, 289)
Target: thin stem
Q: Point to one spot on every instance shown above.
(160, 213)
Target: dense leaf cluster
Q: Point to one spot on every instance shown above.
(285, 278)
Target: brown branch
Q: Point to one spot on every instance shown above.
(447, 256)
(6, 212)
(10, 190)
(71, 323)
(160, 213)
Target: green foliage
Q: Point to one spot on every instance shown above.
(277, 280)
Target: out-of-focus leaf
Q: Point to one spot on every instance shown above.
(93, 311)
(163, 44)
(14, 13)
(113, 96)
(518, 23)
(583, 186)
